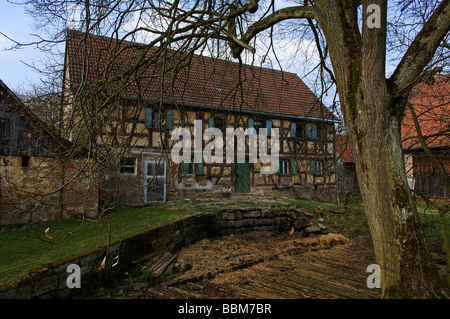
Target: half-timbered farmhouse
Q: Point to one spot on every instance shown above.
(136, 110)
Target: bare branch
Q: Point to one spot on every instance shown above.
(299, 12)
(421, 50)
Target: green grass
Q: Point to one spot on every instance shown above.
(22, 248)
(354, 223)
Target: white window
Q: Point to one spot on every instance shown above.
(316, 168)
(284, 167)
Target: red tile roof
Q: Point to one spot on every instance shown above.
(432, 106)
(207, 82)
(343, 149)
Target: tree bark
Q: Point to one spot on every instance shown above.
(372, 116)
(399, 241)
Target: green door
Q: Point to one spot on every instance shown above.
(242, 178)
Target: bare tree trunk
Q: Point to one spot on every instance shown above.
(399, 241)
(372, 118)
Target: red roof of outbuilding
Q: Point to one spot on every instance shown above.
(343, 149)
(431, 104)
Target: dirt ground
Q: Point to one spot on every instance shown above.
(265, 265)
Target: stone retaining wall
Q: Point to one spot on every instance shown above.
(262, 219)
(49, 281)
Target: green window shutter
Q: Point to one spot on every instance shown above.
(327, 165)
(184, 168)
(308, 130)
(293, 167)
(169, 120)
(211, 122)
(314, 132)
(148, 117)
(293, 129)
(200, 168)
(278, 167)
(312, 167)
(251, 124)
(269, 127)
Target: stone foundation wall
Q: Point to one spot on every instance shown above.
(34, 194)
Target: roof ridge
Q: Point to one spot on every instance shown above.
(195, 54)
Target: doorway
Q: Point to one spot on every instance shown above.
(242, 184)
(155, 181)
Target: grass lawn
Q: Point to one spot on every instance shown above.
(22, 248)
(432, 224)
(353, 223)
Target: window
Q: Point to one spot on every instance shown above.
(269, 127)
(156, 119)
(284, 167)
(217, 123)
(293, 130)
(257, 126)
(169, 120)
(313, 131)
(316, 168)
(148, 117)
(127, 166)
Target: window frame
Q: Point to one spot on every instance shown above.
(284, 168)
(153, 177)
(134, 166)
(318, 168)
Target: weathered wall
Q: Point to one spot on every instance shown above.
(427, 178)
(347, 181)
(32, 193)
